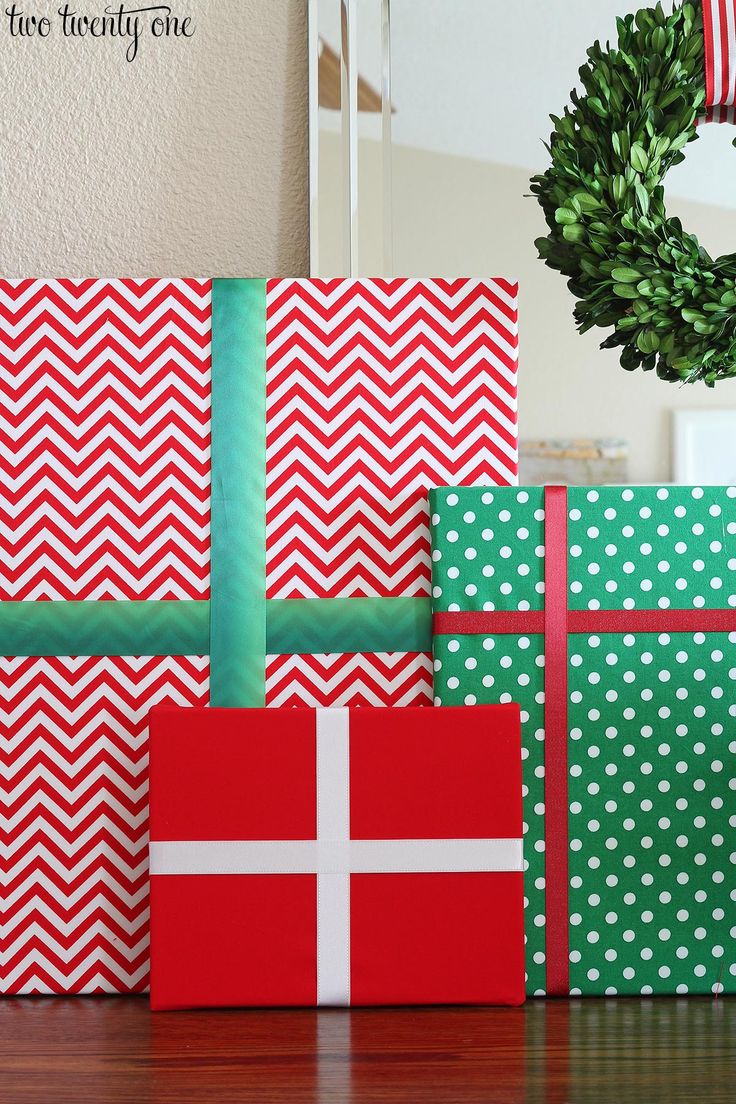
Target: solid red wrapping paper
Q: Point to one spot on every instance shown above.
(250, 939)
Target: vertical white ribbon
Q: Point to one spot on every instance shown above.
(333, 827)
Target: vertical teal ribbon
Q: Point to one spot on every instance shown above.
(238, 569)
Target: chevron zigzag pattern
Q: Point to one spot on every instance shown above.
(104, 439)
(377, 390)
(382, 678)
(74, 817)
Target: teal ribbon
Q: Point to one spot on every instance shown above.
(311, 626)
(238, 548)
(293, 627)
(104, 628)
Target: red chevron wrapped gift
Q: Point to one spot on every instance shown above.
(336, 856)
(211, 490)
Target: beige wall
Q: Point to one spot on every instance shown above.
(456, 217)
(191, 160)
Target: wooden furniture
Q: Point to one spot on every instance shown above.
(100, 1050)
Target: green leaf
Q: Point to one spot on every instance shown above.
(626, 275)
(659, 40)
(619, 188)
(691, 315)
(586, 202)
(638, 158)
(643, 197)
(647, 341)
(573, 232)
(626, 291)
(596, 105)
(565, 216)
(681, 140)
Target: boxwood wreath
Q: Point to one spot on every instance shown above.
(672, 307)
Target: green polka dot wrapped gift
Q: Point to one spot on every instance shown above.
(609, 614)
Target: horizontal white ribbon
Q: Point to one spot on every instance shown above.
(406, 856)
(333, 856)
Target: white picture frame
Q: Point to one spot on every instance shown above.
(705, 447)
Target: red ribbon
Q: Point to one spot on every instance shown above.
(518, 622)
(557, 623)
(719, 17)
(555, 740)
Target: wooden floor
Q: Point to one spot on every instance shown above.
(557, 1052)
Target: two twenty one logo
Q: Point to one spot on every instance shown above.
(117, 21)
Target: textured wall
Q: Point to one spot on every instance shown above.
(192, 160)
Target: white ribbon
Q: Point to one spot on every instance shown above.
(333, 856)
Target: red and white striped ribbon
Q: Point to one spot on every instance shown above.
(719, 27)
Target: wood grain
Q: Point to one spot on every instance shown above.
(564, 1052)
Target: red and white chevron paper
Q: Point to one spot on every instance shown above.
(74, 817)
(379, 678)
(719, 29)
(376, 391)
(104, 439)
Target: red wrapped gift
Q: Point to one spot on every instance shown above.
(334, 856)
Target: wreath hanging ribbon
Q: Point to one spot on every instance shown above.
(671, 306)
(719, 33)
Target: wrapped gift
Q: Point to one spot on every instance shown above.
(336, 856)
(211, 490)
(610, 615)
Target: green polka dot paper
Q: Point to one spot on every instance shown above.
(651, 720)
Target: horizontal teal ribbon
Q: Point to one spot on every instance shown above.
(293, 627)
(104, 628)
(297, 626)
